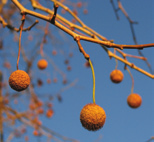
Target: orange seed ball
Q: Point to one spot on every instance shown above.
(134, 100)
(49, 113)
(116, 76)
(54, 52)
(35, 133)
(79, 4)
(19, 80)
(85, 11)
(42, 64)
(92, 117)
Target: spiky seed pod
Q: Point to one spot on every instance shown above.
(19, 80)
(42, 64)
(116, 76)
(134, 100)
(92, 117)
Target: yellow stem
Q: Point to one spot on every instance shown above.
(93, 74)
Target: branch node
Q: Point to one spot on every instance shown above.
(132, 65)
(93, 36)
(112, 41)
(76, 38)
(72, 28)
(23, 16)
(55, 12)
(121, 47)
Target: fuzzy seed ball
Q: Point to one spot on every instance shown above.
(92, 117)
(134, 100)
(19, 80)
(42, 64)
(116, 76)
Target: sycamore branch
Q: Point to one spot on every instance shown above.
(5, 24)
(75, 35)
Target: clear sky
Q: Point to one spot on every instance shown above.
(123, 124)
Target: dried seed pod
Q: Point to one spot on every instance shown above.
(116, 76)
(42, 64)
(92, 117)
(79, 4)
(19, 80)
(49, 113)
(134, 100)
(35, 133)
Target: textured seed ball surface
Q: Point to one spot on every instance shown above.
(116, 76)
(92, 117)
(134, 100)
(19, 80)
(42, 64)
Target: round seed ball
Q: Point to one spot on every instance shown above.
(116, 76)
(134, 100)
(42, 64)
(19, 80)
(92, 117)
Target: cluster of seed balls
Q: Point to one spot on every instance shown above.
(133, 100)
(92, 116)
(19, 80)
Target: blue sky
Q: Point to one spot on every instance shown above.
(123, 124)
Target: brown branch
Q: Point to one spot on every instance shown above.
(120, 7)
(44, 130)
(119, 46)
(133, 32)
(106, 43)
(84, 28)
(14, 28)
(29, 28)
(95, 40)
(72, 27)
(129, 55)
(81, 48)
(148, 64)
(115, 10)
(128, 63)
(55, 13)
(67, 9)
